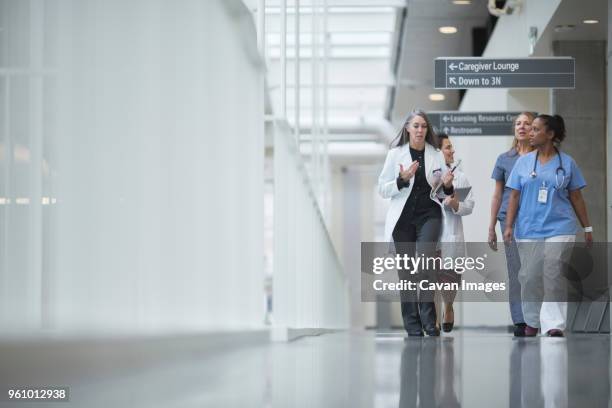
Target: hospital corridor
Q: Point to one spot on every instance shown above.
(305, 203)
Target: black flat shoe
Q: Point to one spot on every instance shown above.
(433, 332)
(555, 333)
(415, 333)
(519, 330)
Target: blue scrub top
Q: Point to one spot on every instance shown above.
(503, 167)
(537, 220)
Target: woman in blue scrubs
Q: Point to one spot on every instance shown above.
(499, 205)
(545, 195)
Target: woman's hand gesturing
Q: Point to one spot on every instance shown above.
(407, 174)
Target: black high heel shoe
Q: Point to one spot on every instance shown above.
(448, 327)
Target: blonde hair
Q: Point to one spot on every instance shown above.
(531, 116)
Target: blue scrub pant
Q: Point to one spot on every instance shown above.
(513, 261)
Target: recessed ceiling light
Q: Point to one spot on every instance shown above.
(448, 30)
(590, 21)
(436, 97)
(564, 28)
(462, 2)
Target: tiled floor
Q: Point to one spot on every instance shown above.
(468, 368)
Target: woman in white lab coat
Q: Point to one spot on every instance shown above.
(414, 166)
(452, 242)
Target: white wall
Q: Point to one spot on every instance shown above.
(310, 285)
(510, 39)
(141, 123)
(357, 212)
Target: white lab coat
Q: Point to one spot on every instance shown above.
(435, 167)
(452, 228)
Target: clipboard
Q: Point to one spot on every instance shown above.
(462, 192)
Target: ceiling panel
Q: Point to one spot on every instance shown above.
(422, 43)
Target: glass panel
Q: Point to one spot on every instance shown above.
(14, 33)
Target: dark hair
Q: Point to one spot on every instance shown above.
(556, 124)
(403, 136)
(441, 137)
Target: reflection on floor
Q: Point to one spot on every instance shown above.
(467, 368)
(482, 369)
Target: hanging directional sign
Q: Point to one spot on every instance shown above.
(467, 73)
(457, 123)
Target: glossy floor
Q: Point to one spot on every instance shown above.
(468, 368)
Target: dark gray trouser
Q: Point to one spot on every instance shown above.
(418, 310)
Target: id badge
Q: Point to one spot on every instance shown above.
(542, 194)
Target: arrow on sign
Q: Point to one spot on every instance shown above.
(446, 129)
(445, 118)
(452, 81)
(452, 66)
